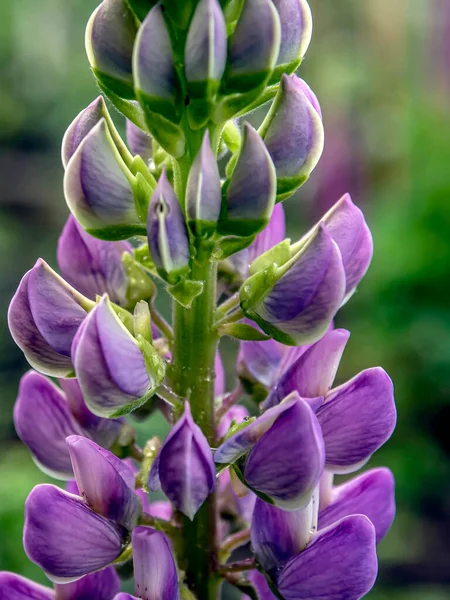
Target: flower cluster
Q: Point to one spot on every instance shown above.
(191, 205)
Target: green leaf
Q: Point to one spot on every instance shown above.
(185, 291)
(117, 232)
(230, 245)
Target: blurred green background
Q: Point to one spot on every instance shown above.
(381, 69)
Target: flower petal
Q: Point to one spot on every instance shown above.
(98, 586)
(356, 419)
(14, 587)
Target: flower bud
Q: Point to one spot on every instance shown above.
(110, 35)
(293, 134)
(116, 372)
(371, 494)
(81, 126)
(139, 142)
(206, 49)
(44, 316)
(168, 239)
(104, 481)
(204, 193)
(100, 189)
(313, 373)
(340, 562)
(296, 30)
(155, 77)
(92, 266)
(295, 302)
(282, 454)
(155, 572)
(250, 192)
(184, 467)
(102, 585)
(64, 537)
(253, 47)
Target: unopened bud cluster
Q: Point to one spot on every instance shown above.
(190, 204)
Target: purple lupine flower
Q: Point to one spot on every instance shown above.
(204, 193)
(65, 537)
(295, 302)
(253, 47)
(282, 452)
(139, 141)
(105, 482)
(296, 31)
(206, 49)
(92, 266)
(168, 239)
(102, 585)
(250, 192)
(99, 187)
(293, 133)
(184, 467)
(235, 499)
(155, 77)
(43, 318)
(339, 562)
(44, 416)
(371, 494)
(155, 572)
(116, 372)
(111, 60)
(236, 414)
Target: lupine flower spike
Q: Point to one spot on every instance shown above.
(190, 205)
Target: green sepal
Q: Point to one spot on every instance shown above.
(245, 83)
(228, 106)
(231, 135)
(201, 228)
(168, 134)
(273, 332)
(185, 291)
(180, 12)
(130, 110)
(142, 256)
(203, 90)
(228, 246)
(160, 106)
(156, 366)
(141, 8)
(140, 286)
(142, 193)
(236, 427)
(268, 94)
(244, 228)
(198, 112)
(277, 255)
(286, 186)
(138, 166)
(142, 321)
(119, 87)
(242, 331)
(256, 287)
(279, 70)
(114, 233)
(232, 10)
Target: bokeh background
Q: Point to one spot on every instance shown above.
(381, 69)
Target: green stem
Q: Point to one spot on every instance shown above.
(192, 376)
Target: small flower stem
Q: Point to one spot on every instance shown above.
(149, 521)
(237, 567)
(136, 452)
(227, 305)
(233, 542)
(229, 401)
(233, 317)
(169, 396)
(161, 324)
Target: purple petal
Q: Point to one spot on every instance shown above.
(206, 44)
(98, 185)
(103, 431)
(300, 306)
(81, 126)
(98, 586)
(254, 45)
(168, 239)
(43, 420)
(371, 494)
(356, 419)
(296, 29)
(305, 89)
(294, 135)
(339, 564)
(259, 582)
(139, 141)
(125, 596)
(92, 266)
(237, 414)
(155, 573)
(312, 374)
(261, 360)
(250, 196)
(109, 365)
(23, 329)
(14, 587)
(64, 537)
(349, 230)
(71, 487)
(277, 535)
(104, 481)
(273, 234)
(186, 466)
(204, 192)
(161, 510)
(288, 460)
(110, 38)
